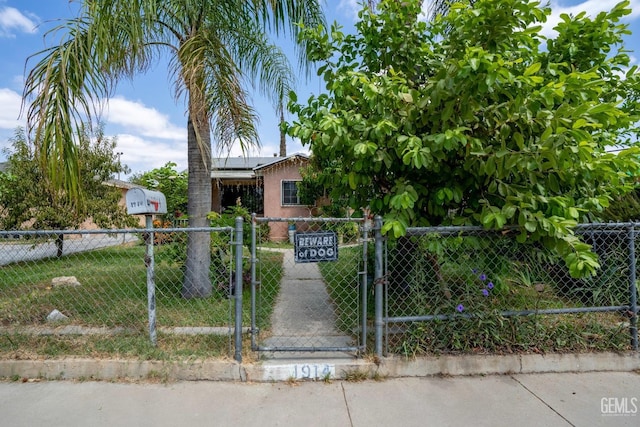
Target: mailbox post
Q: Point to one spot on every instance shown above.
(145, 202)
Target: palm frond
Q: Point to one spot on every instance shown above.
(286, 16)
(65, 87)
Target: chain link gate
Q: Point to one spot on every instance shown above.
(310, 293)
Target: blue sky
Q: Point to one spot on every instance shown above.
(150, 125)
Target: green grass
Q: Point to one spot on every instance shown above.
(498, 335)
(343, 285)
(170, 347)
(269, 273)
(113, 294)
(113, 291)
(515, 288)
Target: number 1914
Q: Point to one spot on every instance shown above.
(313, 371)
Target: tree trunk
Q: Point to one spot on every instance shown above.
(283, 135)
(197, 280)
(59, 245)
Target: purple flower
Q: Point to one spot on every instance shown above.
(483, 277)
(485, 292)
(474, 270)
(460, 308)
(490, 285)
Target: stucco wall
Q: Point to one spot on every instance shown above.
(273, 177)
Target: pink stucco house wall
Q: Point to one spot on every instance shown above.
(280, 193)
(271, 180)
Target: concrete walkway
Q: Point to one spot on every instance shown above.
(304, 315)
(586, 399)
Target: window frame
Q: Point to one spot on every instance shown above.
(282, 193)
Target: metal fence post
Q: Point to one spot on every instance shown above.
(151, 282)
(365, 285)
(633, 302)
(378, 286)
(238, 290)
(253, 281)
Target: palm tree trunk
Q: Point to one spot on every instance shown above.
(197, 281)
(283, 134)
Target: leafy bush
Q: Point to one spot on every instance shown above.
(476, 118)
(626, 208)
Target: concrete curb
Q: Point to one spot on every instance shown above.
(101, 369)
(511, 364)
(341, 369)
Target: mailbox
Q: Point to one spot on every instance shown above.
(141, 201)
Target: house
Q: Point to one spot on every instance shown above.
(264, 185)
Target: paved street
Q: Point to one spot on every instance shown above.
(17, 251)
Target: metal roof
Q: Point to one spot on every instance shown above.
(122, 184)
(247, 163)
(277, 160)
(244, 167)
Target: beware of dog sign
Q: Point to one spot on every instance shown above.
(316, 246)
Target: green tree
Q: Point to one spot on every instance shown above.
(471, 119)
(441, 7)
(434, 7)
(625, 208)
(216, 49)
(29, 202)
(171, 183)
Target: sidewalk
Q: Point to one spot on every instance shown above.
(585, 399)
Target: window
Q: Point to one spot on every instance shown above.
(290, 193)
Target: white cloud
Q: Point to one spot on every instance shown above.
(12, 20)
(236, 151)
(265, 150)
(140, 119)
(10, 103)
(558, 7)
(350, 8)
(143, 155)
(591, 7)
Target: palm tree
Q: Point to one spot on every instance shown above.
(441, 7)
(216, 48)
(434, 7)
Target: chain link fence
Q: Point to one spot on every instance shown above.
(436, 290)
(452, 290)
(307, 293)
(96, 282)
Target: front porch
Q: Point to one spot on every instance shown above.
(263, 185)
